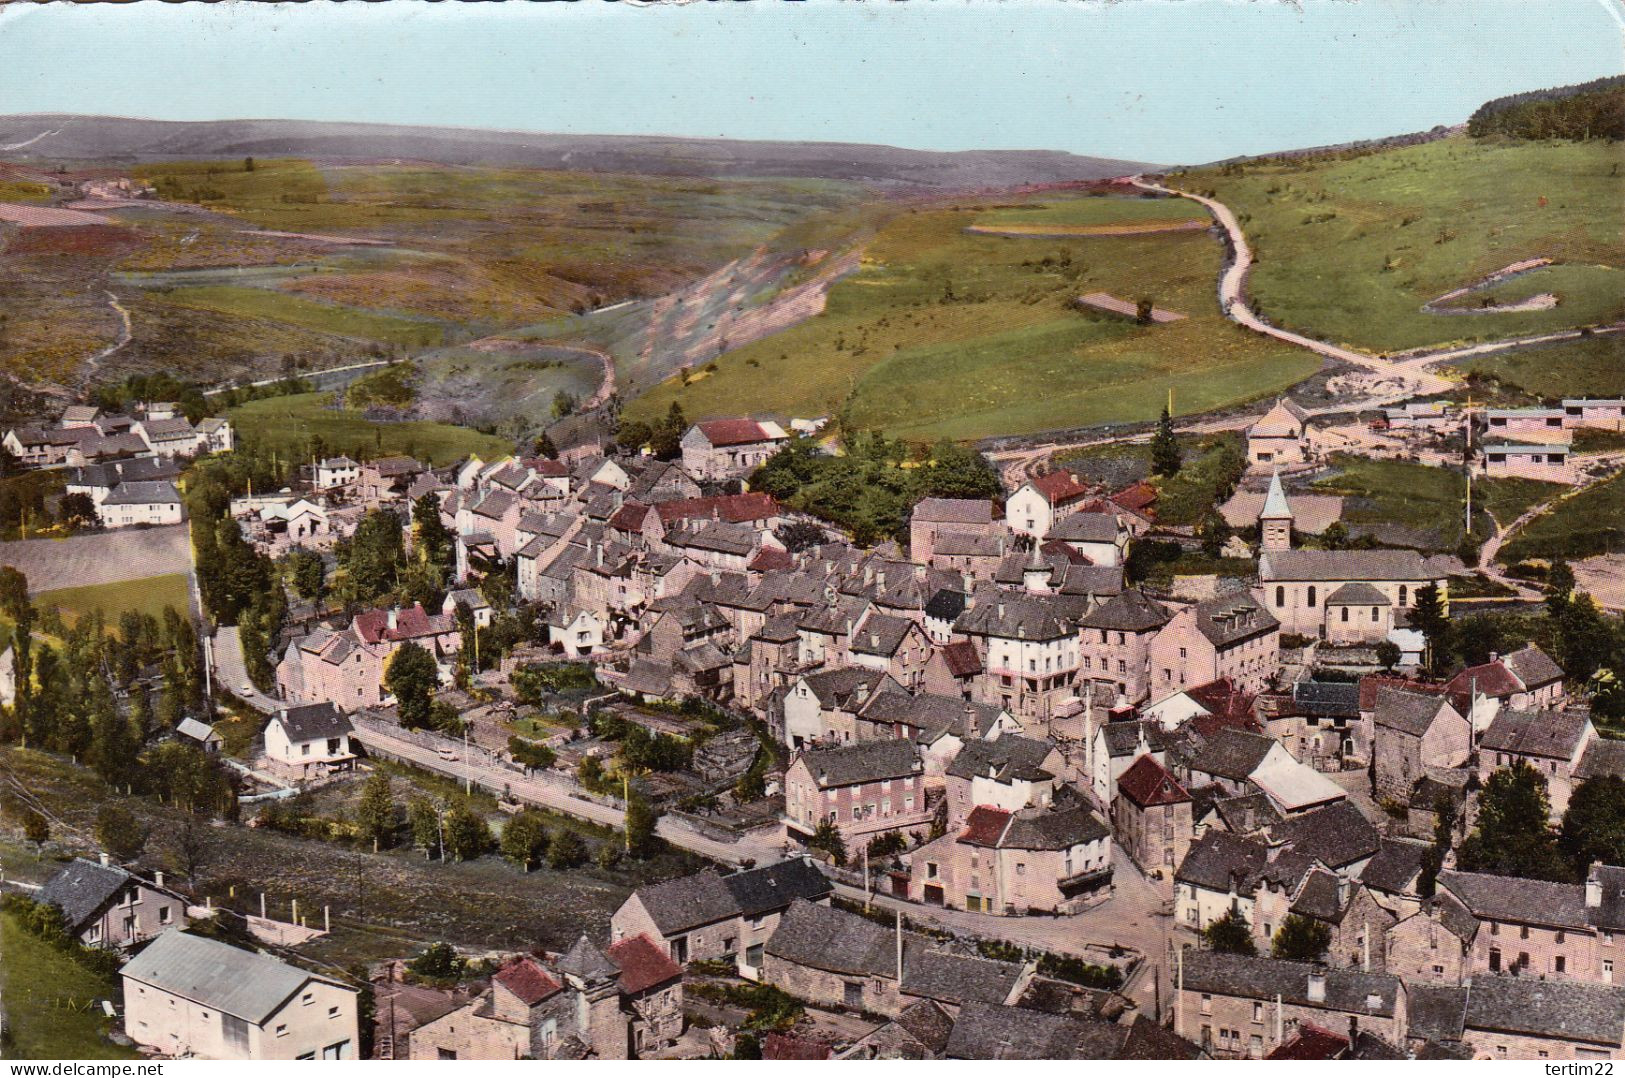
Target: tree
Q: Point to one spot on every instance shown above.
(438, 962)
(1513, 837)
(1300, 939)
(34, 825)
(119, 832)
(411, 678)
(1444, 827)
(77, 510)
(434, 541)
(307, 573)
(424, 819)
(1214, 533)
(248, 164)
(375, 813)
(641, 820)
(1335, 536)
(1594, 825)
(1388, 654)
(374, 555)
(565, 850)
(1143, 309)
(1559, 587)
(467, 834)
(1230, 934)
(544, 447)
(799, 535)
(1165, 456)
(13, 592)
(827, 837)
(524, 839)
(633, 435)
(1428, 618)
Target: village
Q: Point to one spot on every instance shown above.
(984, 793)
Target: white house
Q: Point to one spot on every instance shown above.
(1550, 462)
(730, 448)
(336, 472)
(144, 502)
(187, 996)
(579, 632)
(1035, 507)
(312, 738)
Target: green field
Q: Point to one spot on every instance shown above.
(285, 425)
(262, 303)
(1591, 522)
(53, 1008)
(943, 333)
(1423, 503)
(1582, 368)
(1098, 210)
(148, 595)
(1351, 246)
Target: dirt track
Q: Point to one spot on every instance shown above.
(99, 558)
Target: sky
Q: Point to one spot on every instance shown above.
(1166, 81)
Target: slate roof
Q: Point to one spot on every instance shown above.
(1603, 756)
(1219, 858)
(1554, 735)
(1520, 901)
(1566, 1010)
(1232, 754)
(1086, 528)
(927, 1024)
(1395, 865)
(1343, 565)
(833, 940)
(1248, 813)
(1232, 618)
(1123, 738)
(1434, 1012)
(311, 722)
(1320, 897)
(81, 888)
(1337, 835)
(988, 1032)
(880, 635)
(771, 887)
(1130, 611)
(954, 510)
(1327, 699)
(688, 902)
(159, 492)
(1009, 758)
(586, 962)
(849, 765)
(1148, 1039)
(1147, 783)
(1408, 712)
(1053, 828)
(218, 976)
(1358, 594)
(1533, 667)
(957, 978)
(1012, 616)
(1346, 990)
(838, 687)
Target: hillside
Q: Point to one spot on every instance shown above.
(1405, 248)
(120, 140)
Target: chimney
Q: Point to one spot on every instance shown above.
(105, 861)
(1594, 887)
(1495, 656)
(1001, 610)
(158, 879)
(880, 580)
(899, 946)
(394, 618)
(1317, 987)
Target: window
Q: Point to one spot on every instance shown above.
(1311, 597)
(332, 1012)
(1404, 593)
(1523, 932)
(163, 915)
(1280, 595)
(282, 1030)
(1207, 1003)
(1345, 612)
(1021, 868)
(307, 999)
(445, 1053)
(1558, 964)
(1258, 1012)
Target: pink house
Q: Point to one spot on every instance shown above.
(865, 789)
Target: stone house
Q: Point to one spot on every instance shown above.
(1055, 858)
(952, 669)
(708, 916)
(167, 437)
(190, 997)
(105, 906)
(1039, 503)
(821, 706)
(1238, 1007)
(1552, 742)
(896, 646)
(1151, 819)
(1028, 650)
(1433, 944)
(578, 633)
(933, 519)
(1524, 680)
(309, 740)
(387, 479)
(1114, 641)
(1231, 636)
(730, 448)
(1297, 585)
(1529, 1019)
(1277, 439)
(1531, 927)
(1007, 771)
(864, 789)
(1102, 538)
(1414, 731)
(1114, 748)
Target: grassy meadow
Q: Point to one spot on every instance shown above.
(1591, 522)
(148, 595)
(285, 425)
(1351, 246)
(53, 1008)
(944, 333)
(1593, 367)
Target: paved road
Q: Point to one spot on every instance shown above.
(232, 676)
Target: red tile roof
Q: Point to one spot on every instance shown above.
(1148, 783)
(629, 517)
(985, 826)
(1490, 679)
(525, 978)
(1060, 488)
(1373, 682)
(1061, 548)
(787, 1046)
(552, 469)
(734, 432)
(769, 558)
(412, 621)
(1222, 698)
(1311, 1042)
(642, 964)
(733, 508)
(961, 658)
(1138, 498)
